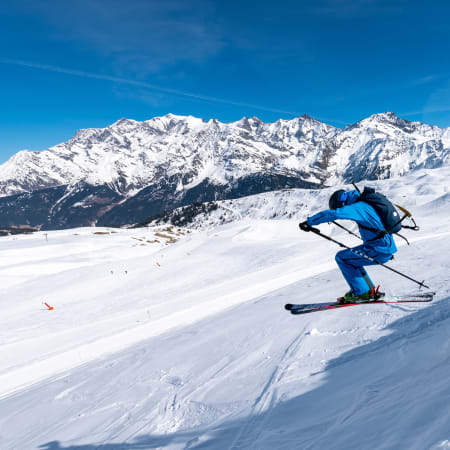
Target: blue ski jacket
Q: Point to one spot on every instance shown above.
(363, 214)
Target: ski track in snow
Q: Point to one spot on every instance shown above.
(250, 433)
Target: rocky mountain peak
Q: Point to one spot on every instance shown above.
(185, 159)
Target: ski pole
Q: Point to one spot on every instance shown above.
(357, 188)
(346, 229)
(359, 237)
(356, 252)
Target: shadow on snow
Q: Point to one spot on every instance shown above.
(390, 393)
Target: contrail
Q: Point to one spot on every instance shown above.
(79, 73)
(425, 111)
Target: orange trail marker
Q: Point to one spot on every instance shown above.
(48, 306)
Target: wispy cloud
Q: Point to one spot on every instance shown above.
(136, 37)
(438, 103)
(388, 89)
(141, 84)
(425, 111)
(426, 80)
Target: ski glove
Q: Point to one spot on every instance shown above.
(304, 226)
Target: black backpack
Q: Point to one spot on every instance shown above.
(387, 212)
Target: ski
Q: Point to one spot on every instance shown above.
(428, 296)
(315, 307)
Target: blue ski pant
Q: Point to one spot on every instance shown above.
(352, 267)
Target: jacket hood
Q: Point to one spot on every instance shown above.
(353, 197)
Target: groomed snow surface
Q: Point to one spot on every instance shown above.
(187, 344)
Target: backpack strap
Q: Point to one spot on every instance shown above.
(380, 233)
(403, 237)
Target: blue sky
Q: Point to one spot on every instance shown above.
(88, 63)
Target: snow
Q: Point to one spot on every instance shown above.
(186, 344)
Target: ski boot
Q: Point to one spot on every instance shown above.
(372, 295)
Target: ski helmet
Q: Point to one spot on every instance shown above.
(337, 200)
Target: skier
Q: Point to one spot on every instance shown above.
(378, 246)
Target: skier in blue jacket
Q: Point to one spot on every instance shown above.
(345, 205)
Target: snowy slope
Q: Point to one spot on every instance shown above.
(186, 344)
(411, 191)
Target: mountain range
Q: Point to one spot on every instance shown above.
(129, 171)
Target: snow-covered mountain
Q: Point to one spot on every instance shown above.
(132, 170)
(131, 155)
(187, 345)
